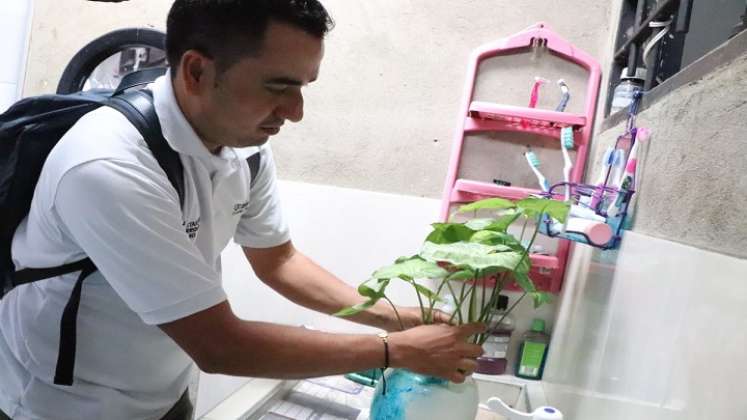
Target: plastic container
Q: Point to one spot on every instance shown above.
(626, 89)
(533, 351)
(494, 361)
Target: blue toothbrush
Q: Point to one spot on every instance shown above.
(534, 163)
(566, 143)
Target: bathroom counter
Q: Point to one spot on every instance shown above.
(262, 399)
(487, 415)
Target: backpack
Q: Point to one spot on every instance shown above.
(28, 132)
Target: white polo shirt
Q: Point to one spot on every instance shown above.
(102, 194)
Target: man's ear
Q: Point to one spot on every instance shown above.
(197, 71)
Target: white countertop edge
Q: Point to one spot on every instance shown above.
(247, 399)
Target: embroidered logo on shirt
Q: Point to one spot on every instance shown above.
(191, 228)
(239, 208)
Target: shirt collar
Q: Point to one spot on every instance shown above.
(179, 133)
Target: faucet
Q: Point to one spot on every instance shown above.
(542, 413)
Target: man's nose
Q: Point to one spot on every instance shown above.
(292, 107)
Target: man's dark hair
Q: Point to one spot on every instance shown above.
(228, 30)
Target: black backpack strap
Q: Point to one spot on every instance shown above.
(138, 107)
(139, 78)
(30, 275)
(68, 331)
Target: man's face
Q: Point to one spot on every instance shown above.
(252, 98)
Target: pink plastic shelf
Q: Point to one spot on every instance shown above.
(549, 262)
(476, 116)
(545, 274)
(476, 190)
(520, 118)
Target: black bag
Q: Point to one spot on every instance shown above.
(28, 132)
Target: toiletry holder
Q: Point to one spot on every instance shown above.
(584, 193)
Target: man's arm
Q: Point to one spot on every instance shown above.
(305, 283)
(219, 342)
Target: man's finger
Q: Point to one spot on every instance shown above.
(468, 330)
(466, 366)
(472, 351)
(457, 377)
(441, 317)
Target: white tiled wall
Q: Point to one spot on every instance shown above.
(655, 330)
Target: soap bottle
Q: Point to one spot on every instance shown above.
(625, 91)
(493, 361)
(533, 351)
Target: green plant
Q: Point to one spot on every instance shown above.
(461, 257)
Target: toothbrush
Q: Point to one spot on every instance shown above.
(534, 98)
(607, 160)
(618, 166)
(534, 163)
(566, 142)
(628, 179)
(565, 96)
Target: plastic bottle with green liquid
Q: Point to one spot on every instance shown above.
(533, 351)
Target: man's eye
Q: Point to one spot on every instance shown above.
(276, 87)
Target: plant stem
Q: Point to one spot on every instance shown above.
(473, 302)
(511, 308)
(482, 302)
(523, 229)
(461, 301)
(526, 254)
(420, 302)
(401, 325)
(496, 292)
(534, 236)
(438, 293)
(456, 302)
(485, 312)
(471, 314)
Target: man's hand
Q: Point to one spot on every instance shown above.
(412, 317)
(439, 350)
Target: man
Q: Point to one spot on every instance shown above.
(156, 304)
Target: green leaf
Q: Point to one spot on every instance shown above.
(500, 224)
(414, 268)
(523, 280)
(490, 237)
(461, 275)
(524, 266)
(540, 298)
(447, 233)
(474, 255)
(356, 309)
(430, 294)
(403, 259)
(503, 222)
(487, 204)
(479, 224)
(373, 288)
(533, 207)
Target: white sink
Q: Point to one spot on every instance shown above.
(336, 398)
